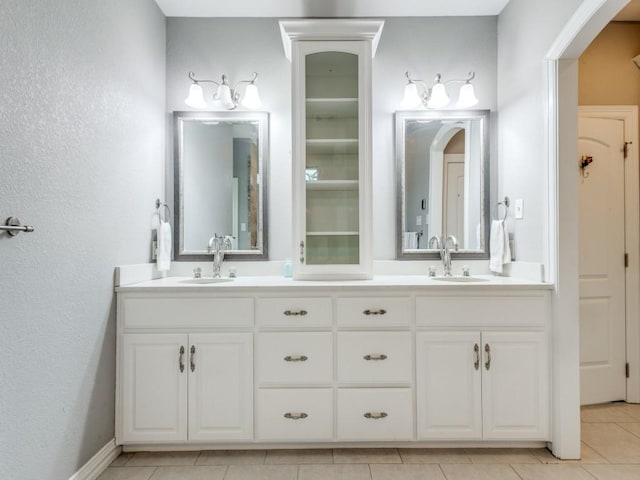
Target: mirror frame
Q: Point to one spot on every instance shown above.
(262, 118)
(401, 118)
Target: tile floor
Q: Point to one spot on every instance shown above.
(610, 451)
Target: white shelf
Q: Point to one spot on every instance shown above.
(332, 145)
(332, 107)
(332, 185)
(332, 234)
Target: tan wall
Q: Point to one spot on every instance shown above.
(607, 76)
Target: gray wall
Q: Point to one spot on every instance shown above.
(82, 87)
(424, 46)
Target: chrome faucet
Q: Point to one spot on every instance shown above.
(445, 254)
(219, 244)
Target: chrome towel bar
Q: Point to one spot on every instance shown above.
(13, 227)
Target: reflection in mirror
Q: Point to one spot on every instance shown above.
(220, 169)
(442, 181)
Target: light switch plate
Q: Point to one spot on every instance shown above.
(519, 208)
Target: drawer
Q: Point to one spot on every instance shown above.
(185, 312)
(376, 357)
(374, 312)
(375, 414)
(294, 312)
(295, 414)
(294, 358)
(483, 312)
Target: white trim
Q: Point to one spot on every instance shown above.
(98, 463)
(629, 114)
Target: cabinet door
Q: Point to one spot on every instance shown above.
(332, 159)
(220, 387)
(449, 385)
(154, 388)
(515, 386)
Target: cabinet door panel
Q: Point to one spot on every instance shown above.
(448, 386)
(220, 387)
(153, 389)
(515, 392)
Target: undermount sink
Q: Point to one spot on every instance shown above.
(205, 281)
(460, 279)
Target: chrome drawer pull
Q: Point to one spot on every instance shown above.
(296, 358)
(181, 359)
(476, 353)
(375, 357)
(375, 415)
(290, 313)
(382, 311)
(295, 416)
(487, 349)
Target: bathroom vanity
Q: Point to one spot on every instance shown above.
(267, 361)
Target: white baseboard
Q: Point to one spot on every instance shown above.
(98, 463)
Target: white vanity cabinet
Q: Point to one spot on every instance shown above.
(332, 142)
(483, 384)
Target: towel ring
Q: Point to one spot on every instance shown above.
(163, 207)
(505, 203)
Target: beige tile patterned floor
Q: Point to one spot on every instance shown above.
(610, 451)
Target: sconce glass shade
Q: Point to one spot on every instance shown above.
(467, 97)
(411, 98)
(251, 99)
(223, 96)
(439, 97)
(195, 98)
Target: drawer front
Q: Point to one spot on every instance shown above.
(295, 414)
(374, 312)
(294, 358)
(377, 357)
(294, 312)
(375, 414)
(483, 312)
(186, 312)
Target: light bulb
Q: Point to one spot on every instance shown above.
(439, 97)
(195, 98)
(223, 96)
(251, 99)
(467, 97)
(411, 98)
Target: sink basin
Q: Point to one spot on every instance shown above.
(460, 279)
(206, 281)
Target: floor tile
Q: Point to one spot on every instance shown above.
(122, 459)
(587, 455)
(231, 457)
(189, 473)
(607, 413)
(500, 455)
(632, 409)
(334, 472)
(614, 472)
(631, 427)
(163, 459)
(299, 457)
(127, 473)
(433, 455)
(552, 472)
(612, 442)
(262, 472)
(479, 472)
(406, 472)
(366, 455)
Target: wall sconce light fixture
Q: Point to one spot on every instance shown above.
(225, 96)
(437, 96)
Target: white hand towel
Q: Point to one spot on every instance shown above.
(410, 240)
(163, 258)
(499, 251)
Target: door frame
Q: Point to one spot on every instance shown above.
(629, 114)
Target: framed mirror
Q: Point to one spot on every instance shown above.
(442, 181)
(220, 183)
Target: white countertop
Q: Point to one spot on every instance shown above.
(185, 284)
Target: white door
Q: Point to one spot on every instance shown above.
(449, 385)
(220, 387)
(154, 388)
(601, 250)
(515, 386)
(454, 197)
